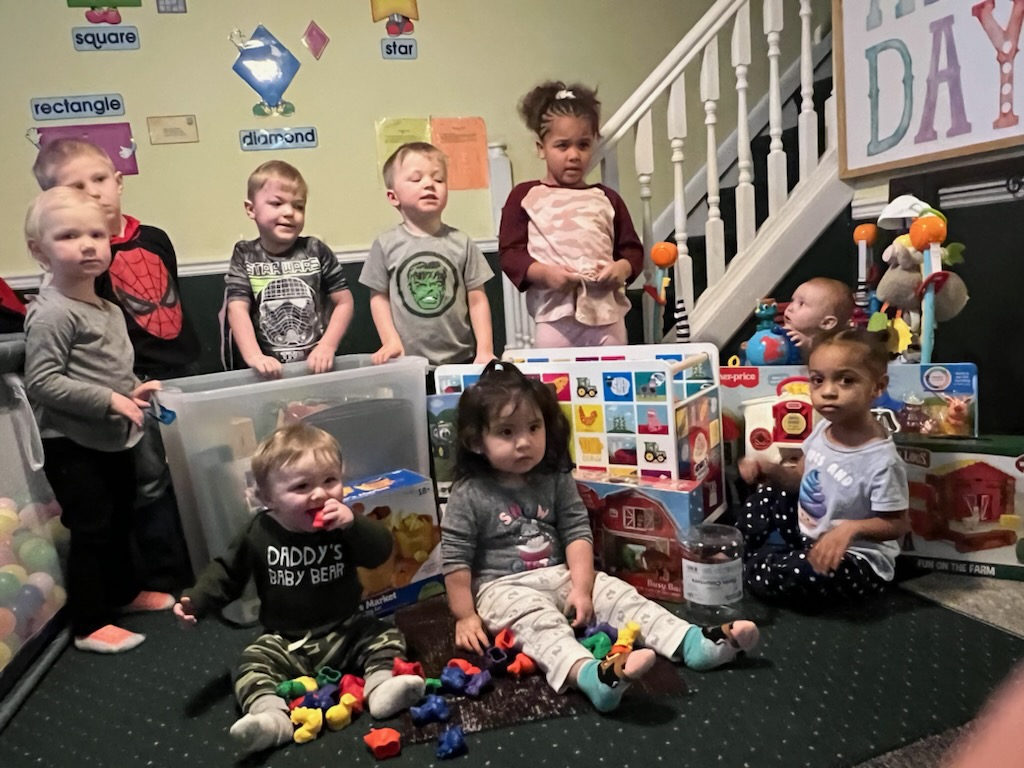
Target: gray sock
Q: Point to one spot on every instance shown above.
(267, 724)
(387, 695)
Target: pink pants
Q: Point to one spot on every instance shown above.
(569, 332)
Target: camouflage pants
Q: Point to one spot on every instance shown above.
(361, 645)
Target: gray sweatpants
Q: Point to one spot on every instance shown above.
(532, 604)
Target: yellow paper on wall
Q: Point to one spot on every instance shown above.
(393, 132)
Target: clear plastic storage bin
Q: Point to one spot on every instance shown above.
(376, 412)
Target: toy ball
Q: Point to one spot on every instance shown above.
(7, 622)
(865, 233)
(6, 654)
(39, 555)
(7, 502)
(9, 586)
(42, 581)
(34, 515)
(58, 596)
(8, 522)
(17, 571)
(53, 508)
(664, 254)
(30, 597)
(57, 533)
(926, 230)
(20, 536)
(6, 553)
(771, 346)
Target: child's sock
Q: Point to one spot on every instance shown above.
(149, 601)
(387, 695)
(709, 647)
(605, 686)
(109, 638)
(267, 724)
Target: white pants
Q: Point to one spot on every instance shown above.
(532, 604)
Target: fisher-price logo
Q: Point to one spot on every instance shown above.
(740, 376)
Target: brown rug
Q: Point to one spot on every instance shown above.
(430, 632)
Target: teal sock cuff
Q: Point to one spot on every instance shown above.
(603, 697)
(692, 646)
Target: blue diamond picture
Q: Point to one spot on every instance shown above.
(266, 65)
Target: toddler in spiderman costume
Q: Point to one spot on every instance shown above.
(143, 281)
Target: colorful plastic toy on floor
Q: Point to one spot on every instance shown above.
(383, 742)
(465, 666)
(434, 709)
(451, 743)
(478, 683)
(522, 666)
(453, 680)
(310, 721)
(408, 668)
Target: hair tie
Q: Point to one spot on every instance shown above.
(564, 94)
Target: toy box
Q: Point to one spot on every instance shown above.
(636, 419)
(966, 504)
(636, 530)
(404, 502)
(762, 407)
(374, 411)
(33, 542)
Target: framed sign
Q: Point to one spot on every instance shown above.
(924, 80)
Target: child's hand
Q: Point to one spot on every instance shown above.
(556, 277)
(337, 515)
(483, 358)
(828, 551)
(387, 352)
(613, 275)
(266, 367)
(580, 603)
(801, 340)
(128, 407)
(183, 613)
(321, 359)
(470, 634)
(145, 390)
(750, 470)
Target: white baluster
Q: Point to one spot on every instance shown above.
(807, 125)
(746, 226)
(683, 275)
(714, 230)
(610, 170)
(501, 179)
(643, 158)
(777, 177)
(831, 118)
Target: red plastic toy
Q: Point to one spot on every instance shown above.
(407, 668)
(522, 666)
(464, 665)
(505, 639)
(384, 742)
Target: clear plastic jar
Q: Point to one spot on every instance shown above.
(712, 572)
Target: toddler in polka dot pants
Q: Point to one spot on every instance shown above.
(841, 508)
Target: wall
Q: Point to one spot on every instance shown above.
(477, 57)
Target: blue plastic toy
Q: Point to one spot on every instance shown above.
(453, 680)
(478, 683)
(771, 346)
(451, 743)
(608, 629)
(497, 660)
(324, 697)
(434, 709)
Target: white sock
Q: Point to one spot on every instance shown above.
(387, 695)
(265, 725)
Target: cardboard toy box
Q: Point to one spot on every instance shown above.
(404, 502)
(636, 530)
(966, 504)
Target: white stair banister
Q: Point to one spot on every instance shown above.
(746, 226)
(807, 124)
(683, 275)
(715, 229)
(643, 158)
(777, 177)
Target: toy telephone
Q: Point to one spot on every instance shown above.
(778, 423)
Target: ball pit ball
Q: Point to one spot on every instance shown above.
(6, 553)
(6, 654)
(38, 555)
(42, 581)
(58, 596)
(30, 596)
(6, 502)
(9, 586)
(56, 532)
(13, 642)
(8, 523)
(8, 621)
(34, 515)
(20, 573)
(19, 537)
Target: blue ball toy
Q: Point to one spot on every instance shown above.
(771, 346)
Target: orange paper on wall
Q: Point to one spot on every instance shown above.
(464, 141)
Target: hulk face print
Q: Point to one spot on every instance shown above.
(427, 284)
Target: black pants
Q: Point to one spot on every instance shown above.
(162, 556)
(784, 575)
(96, 491)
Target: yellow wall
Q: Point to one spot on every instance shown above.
(477, 57)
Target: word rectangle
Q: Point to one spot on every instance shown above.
(394, 48)
(63, 107)
(105, 38)
(259, 139)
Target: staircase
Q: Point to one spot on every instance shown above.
(787, 191)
